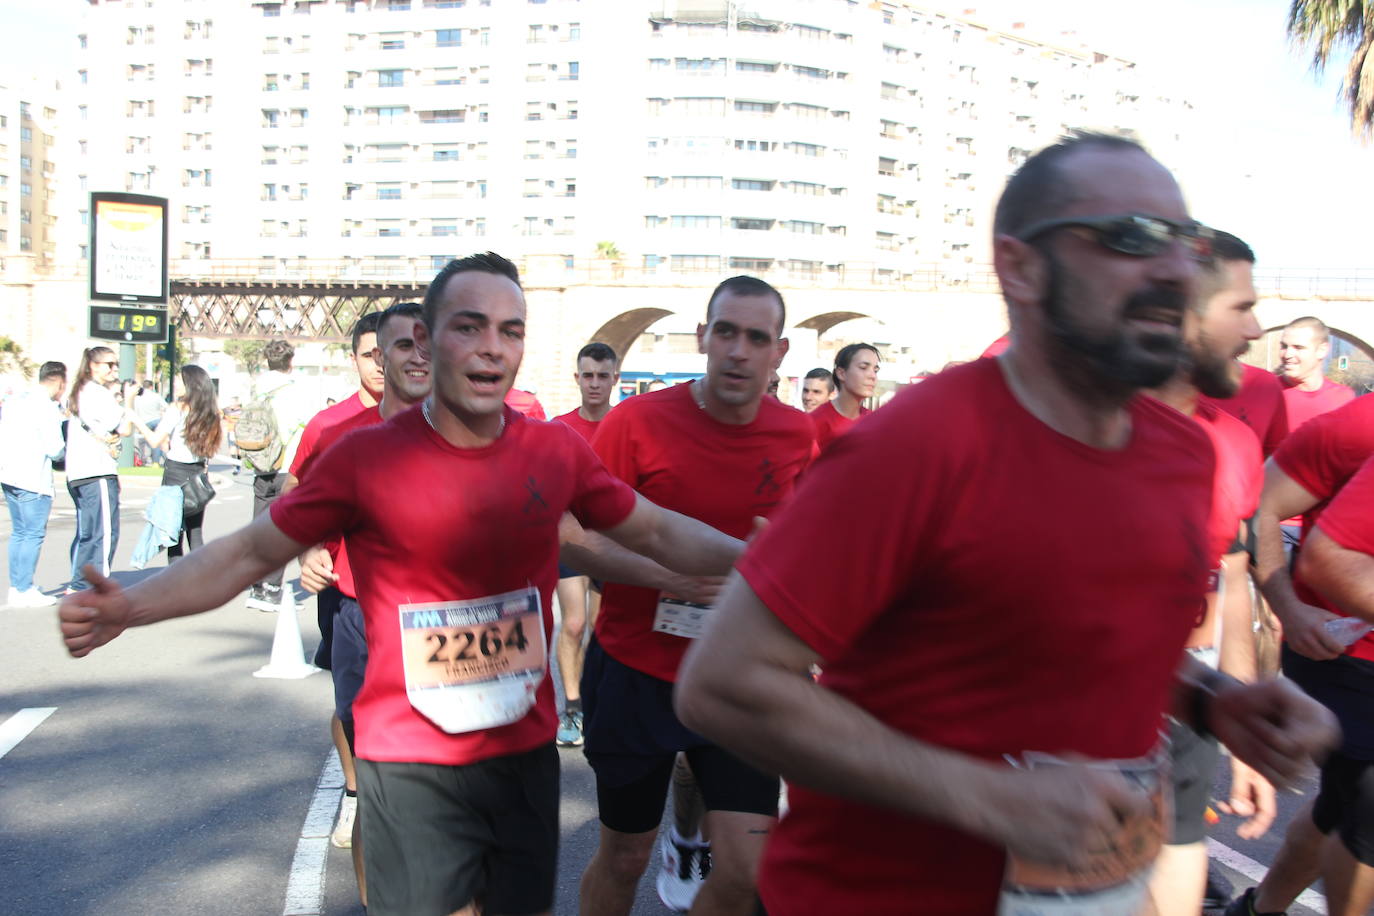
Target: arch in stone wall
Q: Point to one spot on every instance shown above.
(621, 332)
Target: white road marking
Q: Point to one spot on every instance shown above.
(1256, 872)
(17, 727)
(305, 886)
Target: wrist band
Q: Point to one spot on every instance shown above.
(1200, 703)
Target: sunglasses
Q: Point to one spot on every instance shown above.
(1131, 234)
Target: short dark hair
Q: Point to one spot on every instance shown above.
(1041, 188)
(278, 354)
(745, 285)
(1319, 329)
(847, 354)
(597, 352)
(53, 369)
(488, 262)
(365, 325)
(1226, 247)
(147, 382)
(411, 310)
(822, 373)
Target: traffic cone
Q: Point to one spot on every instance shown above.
(288, 655)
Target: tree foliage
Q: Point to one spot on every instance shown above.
(1326, 29)
(247, 353)
(13, 360)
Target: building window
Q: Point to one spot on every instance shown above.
(574, 68)
(448, 38)
(389, 191)
(446, 154)
(751, 184)
(387, 79)
(442, 116)
(388, 115)
(695, 222)
(760, 225)
(695, 262)
(887, 166)
(755, 107)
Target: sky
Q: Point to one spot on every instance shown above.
(1275, 161)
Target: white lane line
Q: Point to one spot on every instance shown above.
(17, 727)
(1256, 872)
(305, 885)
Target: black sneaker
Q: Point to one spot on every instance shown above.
(1219, 891)
(1244, 905)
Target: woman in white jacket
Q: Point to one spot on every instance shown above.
(93, 433)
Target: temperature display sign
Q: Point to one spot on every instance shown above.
(128, 325)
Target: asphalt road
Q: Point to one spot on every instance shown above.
(169, 780)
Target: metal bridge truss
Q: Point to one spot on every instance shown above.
(294, 311)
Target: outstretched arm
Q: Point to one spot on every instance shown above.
(671, 539)
(596, 555)
(201, 581)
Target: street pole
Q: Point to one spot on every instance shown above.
(128, 359)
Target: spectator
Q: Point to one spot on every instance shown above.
(98, 422)
(31, 428)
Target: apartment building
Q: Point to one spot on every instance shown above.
(830, 141)
(28, 172)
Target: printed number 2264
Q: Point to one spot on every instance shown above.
(488, 642)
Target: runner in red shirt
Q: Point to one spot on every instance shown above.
(817, 388)
(458, 773)
(975, 631)
(1259, 405)
(856, 377)
(1311, 468)
(1216, 333)
(719, 450)
(1303, 348)
(598, 371)
(526, 403)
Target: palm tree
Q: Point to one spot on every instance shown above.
(1327, 26)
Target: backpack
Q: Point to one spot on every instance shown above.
(257, 436)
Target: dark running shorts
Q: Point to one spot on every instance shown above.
(632, 738)
(326, 606)
(1345, 803)
(1344, 685)
(439, 837)
(349, 662)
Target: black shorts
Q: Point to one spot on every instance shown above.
(326, 606)
(1193, 765)
(1344, 685)
(439, 837)
(1345, 803)
(349, 662)
(632, 738)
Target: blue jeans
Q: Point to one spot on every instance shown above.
(28, 524)
(97, 526)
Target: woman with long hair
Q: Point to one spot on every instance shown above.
(189, 433)
(97, 423)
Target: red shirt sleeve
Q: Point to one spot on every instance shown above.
(600, 499)
(1278, 425)
(614, 444)
(830, 603)
(323, 506)
(1309, 456)
(306, 448)
(1349, 520)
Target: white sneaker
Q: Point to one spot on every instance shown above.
(342, 837)
(38, 599)
(16, 598)
(685, 867)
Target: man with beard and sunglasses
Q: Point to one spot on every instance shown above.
(1217, 331)
(993, 687)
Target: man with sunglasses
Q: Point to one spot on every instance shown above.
(978, 635)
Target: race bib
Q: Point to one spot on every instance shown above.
(474, 664)
(679, 617)
(1115, 879)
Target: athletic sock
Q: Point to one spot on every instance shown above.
(351, 793)
(695, 842)
(572, 705)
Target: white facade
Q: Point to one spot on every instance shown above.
(811, 140)
(28, 172)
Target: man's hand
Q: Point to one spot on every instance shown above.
(1251, 797)
(1304, 629)
(317, 570)
(1273, 727)
(696, 589)
(92, 618)
(1059, 815)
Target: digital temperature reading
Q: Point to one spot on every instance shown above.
(129, 325)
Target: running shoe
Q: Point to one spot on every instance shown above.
(684, 869)
(260, 599)
(34, 598)
(1244, 905)
(569, 732)
(1219, 891)
(342, 837)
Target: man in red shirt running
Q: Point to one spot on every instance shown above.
(1259, 405)
(719, 450)
(598, 371)
(1308, 393)
(817, 388)
(457, 769)
(856, 377)
(1216, 332)
(977, 635)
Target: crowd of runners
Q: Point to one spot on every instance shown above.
(974, 652)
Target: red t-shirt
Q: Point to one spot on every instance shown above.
(1259, 404)
(1305, 405)
(334, 413)
(305, 460)
(997, 347)
(970, 623)
(584, 428)
(526, 403)
(673, 452)
(830, 424)
(1239, 477)
(1347, 521)
(1322, 457)
(428, 522)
